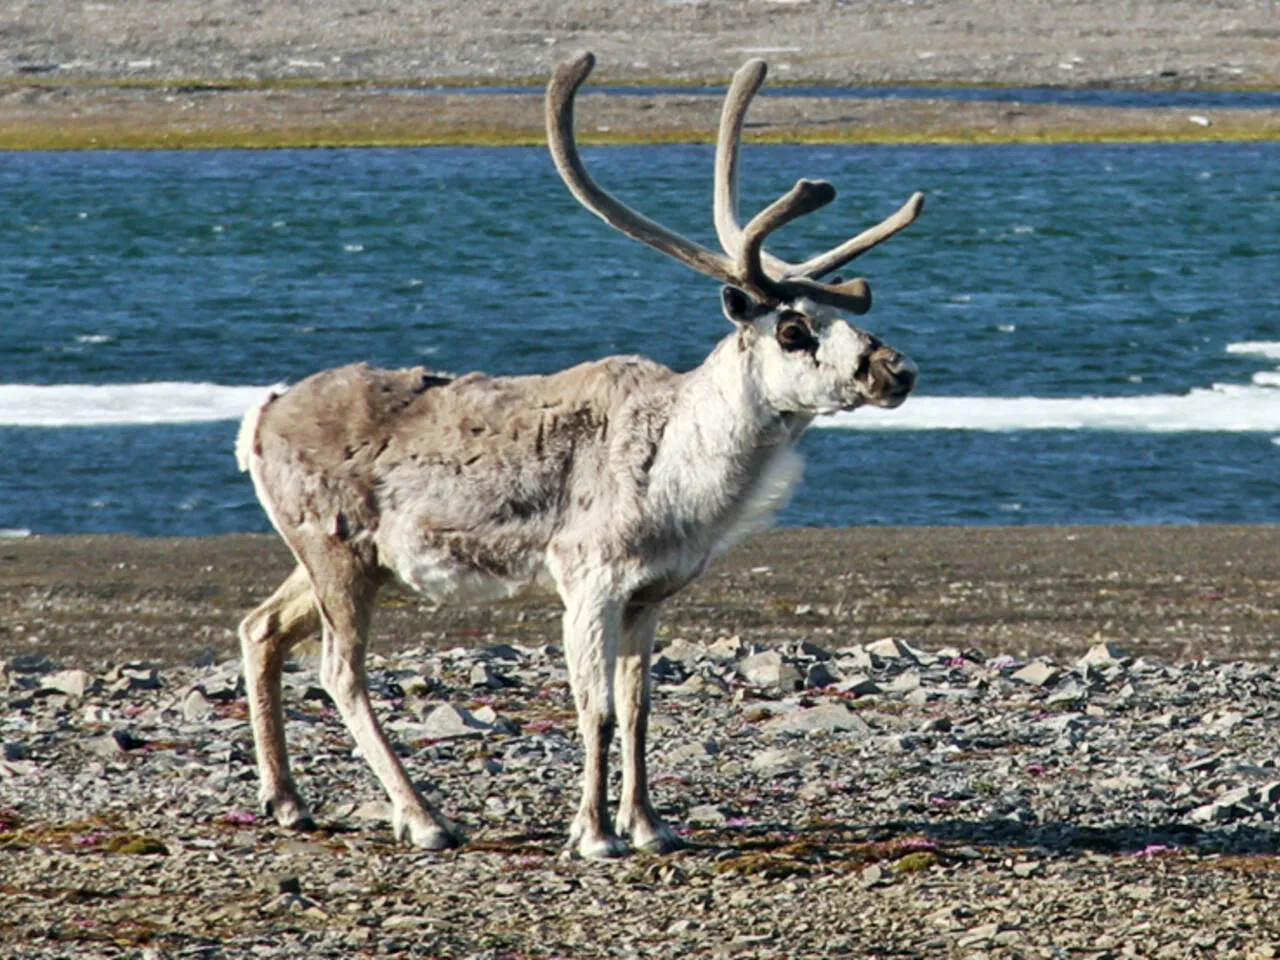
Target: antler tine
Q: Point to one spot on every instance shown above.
(837, 257)
(566, 80)
(805, 197)
(742, 90)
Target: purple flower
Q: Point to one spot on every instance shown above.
(916, 843)
(240, 817)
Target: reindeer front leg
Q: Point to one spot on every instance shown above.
(637, 820)
(592, 625)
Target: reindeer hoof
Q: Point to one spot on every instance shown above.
(424, 832)
(288, 811)
(647, 832)
(662, 841)
(602, 848)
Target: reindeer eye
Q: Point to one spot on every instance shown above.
(795, 335)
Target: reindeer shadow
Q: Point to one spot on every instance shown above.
(1053, 838)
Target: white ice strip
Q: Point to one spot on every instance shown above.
(1261, 348)
(1223, 409)
(82, 405)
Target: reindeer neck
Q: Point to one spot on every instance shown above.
(726, 460)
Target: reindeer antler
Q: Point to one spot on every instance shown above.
(854, 295)
(744, 263)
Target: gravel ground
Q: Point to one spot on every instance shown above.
(854, 800)
(855, 776)
(1085, 42)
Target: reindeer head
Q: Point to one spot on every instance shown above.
(808, 358)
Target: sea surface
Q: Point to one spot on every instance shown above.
(1097, 327)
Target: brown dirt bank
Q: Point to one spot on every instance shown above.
(1177, 592)
(52, 116)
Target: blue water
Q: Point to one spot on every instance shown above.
(1063, 96)
(1111, 279)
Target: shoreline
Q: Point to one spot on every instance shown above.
(1176, 592)
(125, 116)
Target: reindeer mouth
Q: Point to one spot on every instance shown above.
(892, 378)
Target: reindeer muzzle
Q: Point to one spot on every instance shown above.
(892, 376)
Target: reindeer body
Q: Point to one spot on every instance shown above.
(475, 489)
(613, 483)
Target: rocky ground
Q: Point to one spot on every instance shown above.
(854, 776)
(852, 800)
(136, 73)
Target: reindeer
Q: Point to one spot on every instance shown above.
(613, 483)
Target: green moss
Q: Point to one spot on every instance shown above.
(135, 844)
(122, 136)
(916, 862)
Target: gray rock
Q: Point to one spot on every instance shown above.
(819, 676)
(32, 663)
(857, 660)
(448, 721)
(904, 682)
(828, 717)
(775, 761)
(701, 685)
(483, 675)
(813, 651)
(769, 669)
(707, 814)
(859, 684)
(685, 753)
(1036, 674)
(488, 717)
(727, 648)
(74, 683)
(890, 648)
(117, 743)
(979, 935)
(683, 650)
(196, 706)
(1070, 693)
(1103, 654)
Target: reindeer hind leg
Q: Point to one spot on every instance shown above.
(266, 636)
(345, 591)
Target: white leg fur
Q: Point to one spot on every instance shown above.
(591, 633)
(637, 820)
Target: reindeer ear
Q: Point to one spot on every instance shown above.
(738, 305)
